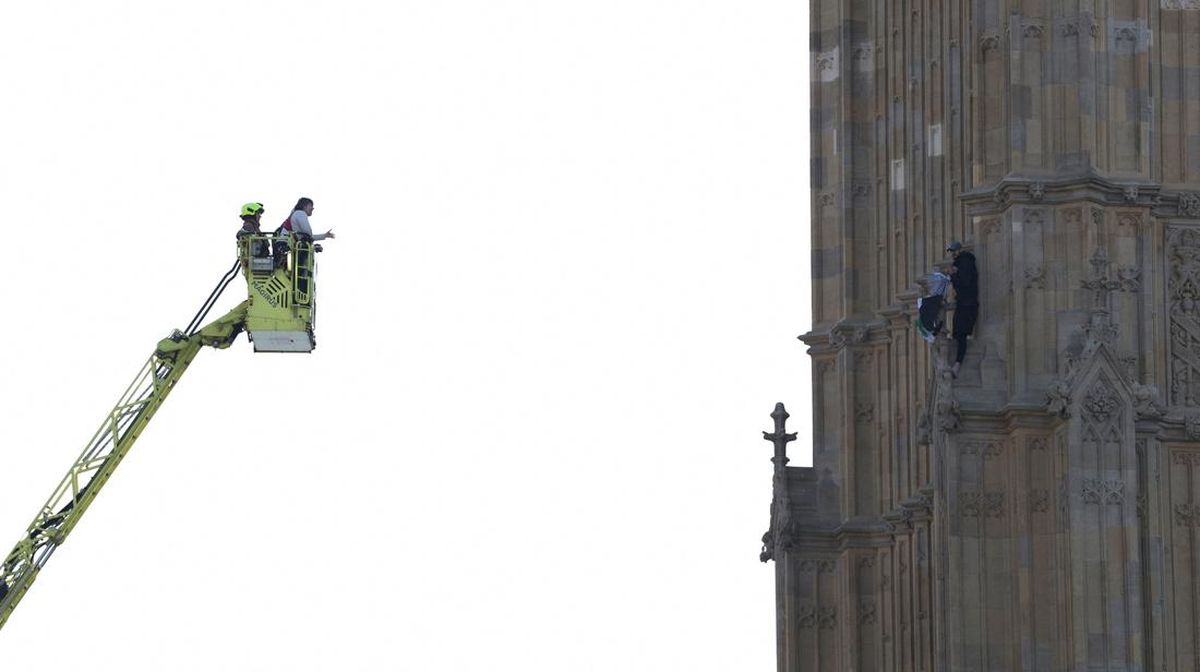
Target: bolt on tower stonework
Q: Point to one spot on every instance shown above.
(1041, 511)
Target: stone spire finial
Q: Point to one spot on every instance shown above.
(775, 538)
(1099, 283)
(1100, 329)
(780, 437)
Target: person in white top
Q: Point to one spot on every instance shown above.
(297, 222)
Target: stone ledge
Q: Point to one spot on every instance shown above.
(1032, 190)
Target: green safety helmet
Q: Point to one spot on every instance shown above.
(252, 209)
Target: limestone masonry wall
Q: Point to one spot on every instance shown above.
(1041, 510)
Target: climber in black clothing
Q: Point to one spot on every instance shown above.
(965, 279)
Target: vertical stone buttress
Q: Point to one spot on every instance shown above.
(1042, 509)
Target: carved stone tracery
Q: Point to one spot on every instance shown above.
(1100, 402)
(808, 616)
(1097, 491)
(986, 449)
(866, 612)
(1189, 204)
(1035, 277)
(975, 504)
(1183, 291)
(1187, 515)
(1145, 402)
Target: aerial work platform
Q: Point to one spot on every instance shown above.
(277, 316)
(282, 290)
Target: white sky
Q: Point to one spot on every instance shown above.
(570, 269)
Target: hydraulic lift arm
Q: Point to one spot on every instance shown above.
(103, 454)
(278, 316)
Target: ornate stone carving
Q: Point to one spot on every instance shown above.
(826, 198)
(1126, 34)
(994, 504)
(1183, 291)
(815, 565)
(969, 504)
(1189, 204)
(1100, 284)
(827, 618)
(864, 412)
(1131, 192)
(1130, 278)
(1058, 399)
(827, 63)
(1129, 219)
(946, 413)
(1069, 29)
(808, 616)
(1097, 491)
(975, 504)
(1100, 402)
(1145, 402)
(837, 339)
(1187, 515)
(986, 449)
(949, 416)
(780, 536)
(1033, 30)
(923, 429)
(988, 42)
(866, 611)
(1035, 443)
(1100, 329)
(1191, 426)
(1130, 364)
(1186, 457)
(864, 359)
(1181, 4)
(1039, 500)
(1037, 191)
(1035, 277)
(864, 53)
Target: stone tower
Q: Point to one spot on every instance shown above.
(1041, 511)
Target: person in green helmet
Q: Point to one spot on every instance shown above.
(251, 223)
